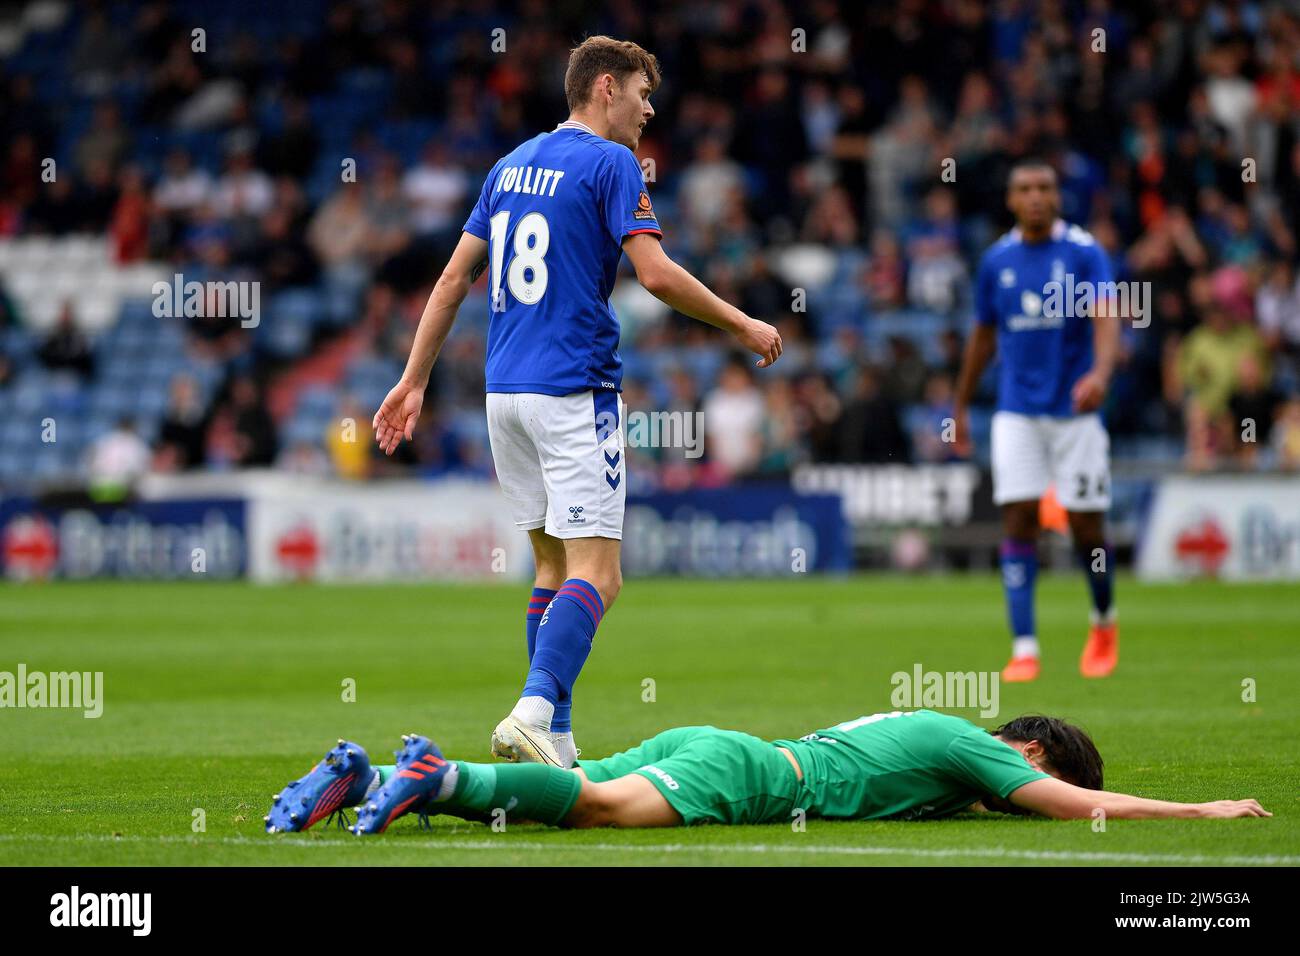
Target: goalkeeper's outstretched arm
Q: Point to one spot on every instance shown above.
(1064, 801)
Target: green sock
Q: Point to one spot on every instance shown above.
(526, 791)
(385, 772)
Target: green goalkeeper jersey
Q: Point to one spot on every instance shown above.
(905, 764)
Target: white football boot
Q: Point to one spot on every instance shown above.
(518, 742)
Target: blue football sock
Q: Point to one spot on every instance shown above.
(564, 638)
(1019, 568)
(1100, 582)
(537, 603)
(536, 608)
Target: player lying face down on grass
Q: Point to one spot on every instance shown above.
(900, 765)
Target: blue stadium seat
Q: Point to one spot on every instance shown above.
(286, 336)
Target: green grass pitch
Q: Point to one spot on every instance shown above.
(216, 694)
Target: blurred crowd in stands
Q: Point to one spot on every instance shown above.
(331, 150)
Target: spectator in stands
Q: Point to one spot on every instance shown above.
(173, 78)
(709, 182)
(256, 443)
(106, 142)
(66, 347)
(242, 433)
(281, 252)
(885, 275)
(346, 439)
(902, 148)
(938, 278)
(437, 190)
(781, 446)
(1251, 408)
(852, 144)
(772, 107)
(340, 235)
(977, 132)
(905, 371)
(819, 115)
(1210, 362)
(1277, 306)
(217, 102)
(677, 468)
(389, 214)
(734, 240)
(869, 429)
(183, 187)
(183, 434)
(839, 356)
(240, 131)
(22, 170)
(411, 81)
(932, 434)
(446, 450)
(129, 229)
(1286, 434)
(830, 220)
(819, 408)
(115, 461)
(293, 149)
(96, 198)
(1230, 95)
(951, 345)
(100, 53)
(214, 335)
(1168, 248)
(733, 420)
(243, 191)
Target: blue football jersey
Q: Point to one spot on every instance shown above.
(1032, 293)
(555, 212)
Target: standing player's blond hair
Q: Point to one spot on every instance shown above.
(598, 55)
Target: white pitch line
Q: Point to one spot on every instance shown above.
(755, 848)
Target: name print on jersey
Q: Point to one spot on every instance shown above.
(530, 180)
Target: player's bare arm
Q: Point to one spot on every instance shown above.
(1090, 391)
(981, 346)
(674, 286)
(1060, 800)
(397, 415)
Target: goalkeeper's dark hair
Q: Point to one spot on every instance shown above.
(1067, 749)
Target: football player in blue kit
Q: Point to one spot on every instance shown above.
(551, 224)
(1044, 303)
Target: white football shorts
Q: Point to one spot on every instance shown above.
(560, 460)
(1031, 452)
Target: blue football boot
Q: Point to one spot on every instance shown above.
(339, 780)
(420, 772)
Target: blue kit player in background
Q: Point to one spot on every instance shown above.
(551, 224)
(1057, 345)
